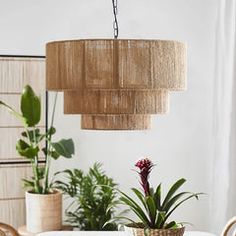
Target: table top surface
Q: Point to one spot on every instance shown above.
(114, 233)
(24, 232)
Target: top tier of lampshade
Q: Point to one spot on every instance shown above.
(116, 64)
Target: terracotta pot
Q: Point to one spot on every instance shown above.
(43, 212)
(153, 232)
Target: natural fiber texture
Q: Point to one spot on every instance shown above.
(116, 64)
(154, 232)
(116, 102)
(7, 230)
(16, 72)
(116, 122)
(43, 212)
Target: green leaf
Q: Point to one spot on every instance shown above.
(41, 172)
(160, 219)
(173, 189)
(194, 195)
(33, 135)
(25, 150)
(140, 196)
(51, 131)
(112, 205)
(114, 219)
(157, 197)
(173, 200)
(54, 155)
(137, 210)
(152, 209)
(171, 225)
(65, 147)
(12, 111)
(30, 106)
(135, 207)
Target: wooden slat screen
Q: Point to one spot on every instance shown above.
(15, 73)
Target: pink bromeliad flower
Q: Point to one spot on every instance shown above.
(145, 167)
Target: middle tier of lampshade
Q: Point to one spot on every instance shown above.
(142, 101)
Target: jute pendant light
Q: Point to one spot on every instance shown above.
(116, 83)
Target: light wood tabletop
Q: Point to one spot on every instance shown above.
(22, 231)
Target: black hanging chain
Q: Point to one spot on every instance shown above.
(115, 23)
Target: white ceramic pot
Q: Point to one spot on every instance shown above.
(43, 212)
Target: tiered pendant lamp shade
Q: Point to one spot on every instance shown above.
(116, 83)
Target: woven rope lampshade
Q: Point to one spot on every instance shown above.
(116, 101)
(117, 78)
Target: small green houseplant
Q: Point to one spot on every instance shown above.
(30, 146)
(94, 198)
(152, 209)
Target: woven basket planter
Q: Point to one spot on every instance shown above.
(43, 212)
(154, 232)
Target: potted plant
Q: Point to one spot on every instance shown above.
(43, 203)
(94, 198)
(152, 210)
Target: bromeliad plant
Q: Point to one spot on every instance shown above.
(29, 146)
(152, 209)
(94, 198)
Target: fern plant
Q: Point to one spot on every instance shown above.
(94, 198)
(152, 209)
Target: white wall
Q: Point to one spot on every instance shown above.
(179, 143)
